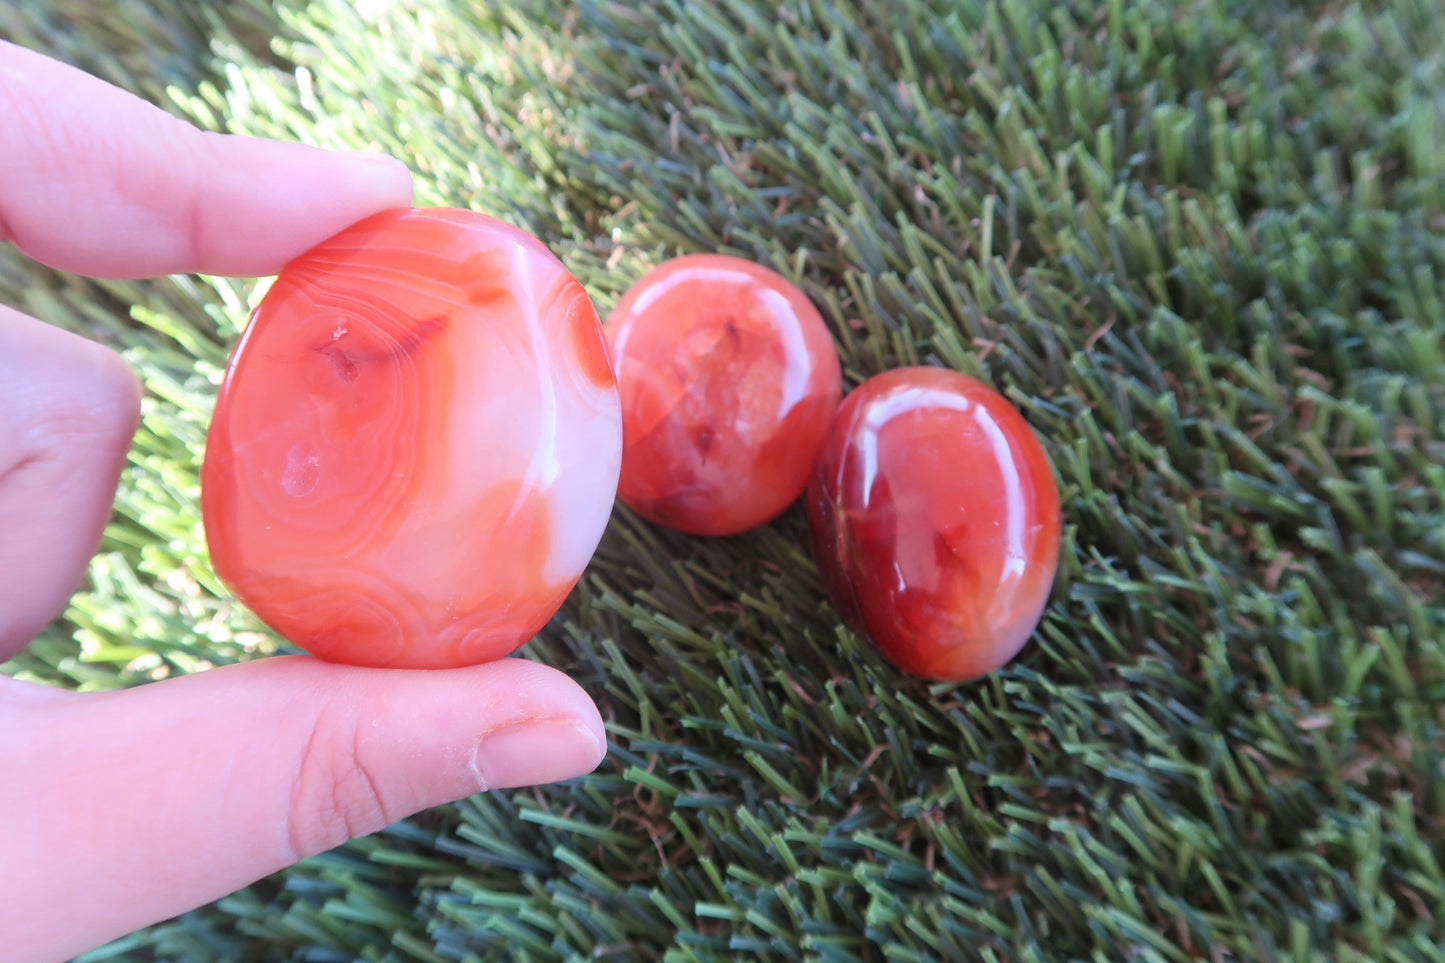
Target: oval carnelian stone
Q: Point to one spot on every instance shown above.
(728, 378)
(935, 522)
(416, 446)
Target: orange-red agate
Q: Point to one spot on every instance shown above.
(728, 378)
(416, 446)
(935, 522)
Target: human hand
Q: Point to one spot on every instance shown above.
(120, 809)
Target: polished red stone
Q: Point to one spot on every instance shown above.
(935, 522)
(728, 378)
(416, 446)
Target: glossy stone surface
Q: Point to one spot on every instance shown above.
(728, 378)
(416, 446)
(935, 522)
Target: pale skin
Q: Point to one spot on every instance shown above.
(121, 809)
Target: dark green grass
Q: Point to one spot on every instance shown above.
(1201, 245)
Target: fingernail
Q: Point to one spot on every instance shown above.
(534, 753)
(381, 174)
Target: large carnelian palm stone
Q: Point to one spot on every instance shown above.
(935, 522)
(728, 378)
(416, 446)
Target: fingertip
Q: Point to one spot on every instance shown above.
(553, 730)
(119, 388)
(565, 695)
(256, 204)
(536, 753)
(387, 742)
(71, 407)
(99, 182)
(380, 180)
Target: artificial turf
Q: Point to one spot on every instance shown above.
(1199, 243)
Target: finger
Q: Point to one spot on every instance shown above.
(177, 793)
(100, 182)
(68, 408)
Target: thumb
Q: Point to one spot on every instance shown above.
(173, 794)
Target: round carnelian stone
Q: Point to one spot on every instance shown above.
(935, 522)
(728, 378)
(416, 446)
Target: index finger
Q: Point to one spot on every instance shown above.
(96, 181)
